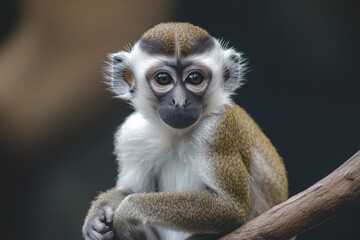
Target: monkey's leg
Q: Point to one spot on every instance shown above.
(98, 222)
(202, 212)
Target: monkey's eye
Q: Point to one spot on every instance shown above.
(195, 78)
(163, 78)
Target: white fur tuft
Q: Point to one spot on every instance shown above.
(236, 66)
(118, 62)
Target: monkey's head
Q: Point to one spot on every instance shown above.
(176, 72)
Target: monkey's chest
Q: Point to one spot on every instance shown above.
(178, 175)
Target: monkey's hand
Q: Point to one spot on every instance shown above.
(98, 222)
(98, 225)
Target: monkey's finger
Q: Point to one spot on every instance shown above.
(109, 214)
(93, 235)
(100, 226)
(101, 215)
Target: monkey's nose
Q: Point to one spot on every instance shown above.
(178, 104)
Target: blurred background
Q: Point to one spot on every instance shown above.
(57, 119)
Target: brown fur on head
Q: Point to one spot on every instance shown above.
(176, 39)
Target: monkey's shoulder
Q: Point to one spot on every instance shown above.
(235, 127)
(237, 135)
(134, 122)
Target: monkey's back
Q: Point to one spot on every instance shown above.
(247, 163)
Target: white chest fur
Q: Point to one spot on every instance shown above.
(178, 172)
(151, 160)
(154, 160)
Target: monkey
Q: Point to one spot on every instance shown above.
(192, 163)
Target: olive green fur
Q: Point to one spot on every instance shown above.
(231, 154)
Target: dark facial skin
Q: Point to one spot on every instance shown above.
(179, 87)
(178, 113)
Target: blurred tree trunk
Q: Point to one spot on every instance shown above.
(51, 67)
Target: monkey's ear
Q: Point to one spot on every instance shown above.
(234, 70)
(122, 79)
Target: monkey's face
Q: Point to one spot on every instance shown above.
(176, 73)
(179, 88)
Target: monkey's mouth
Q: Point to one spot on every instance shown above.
(179, 118)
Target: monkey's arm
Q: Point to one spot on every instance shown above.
(99, 219)
(199, 212)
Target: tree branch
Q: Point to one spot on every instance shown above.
(307, 209)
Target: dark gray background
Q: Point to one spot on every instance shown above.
(302, 89)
